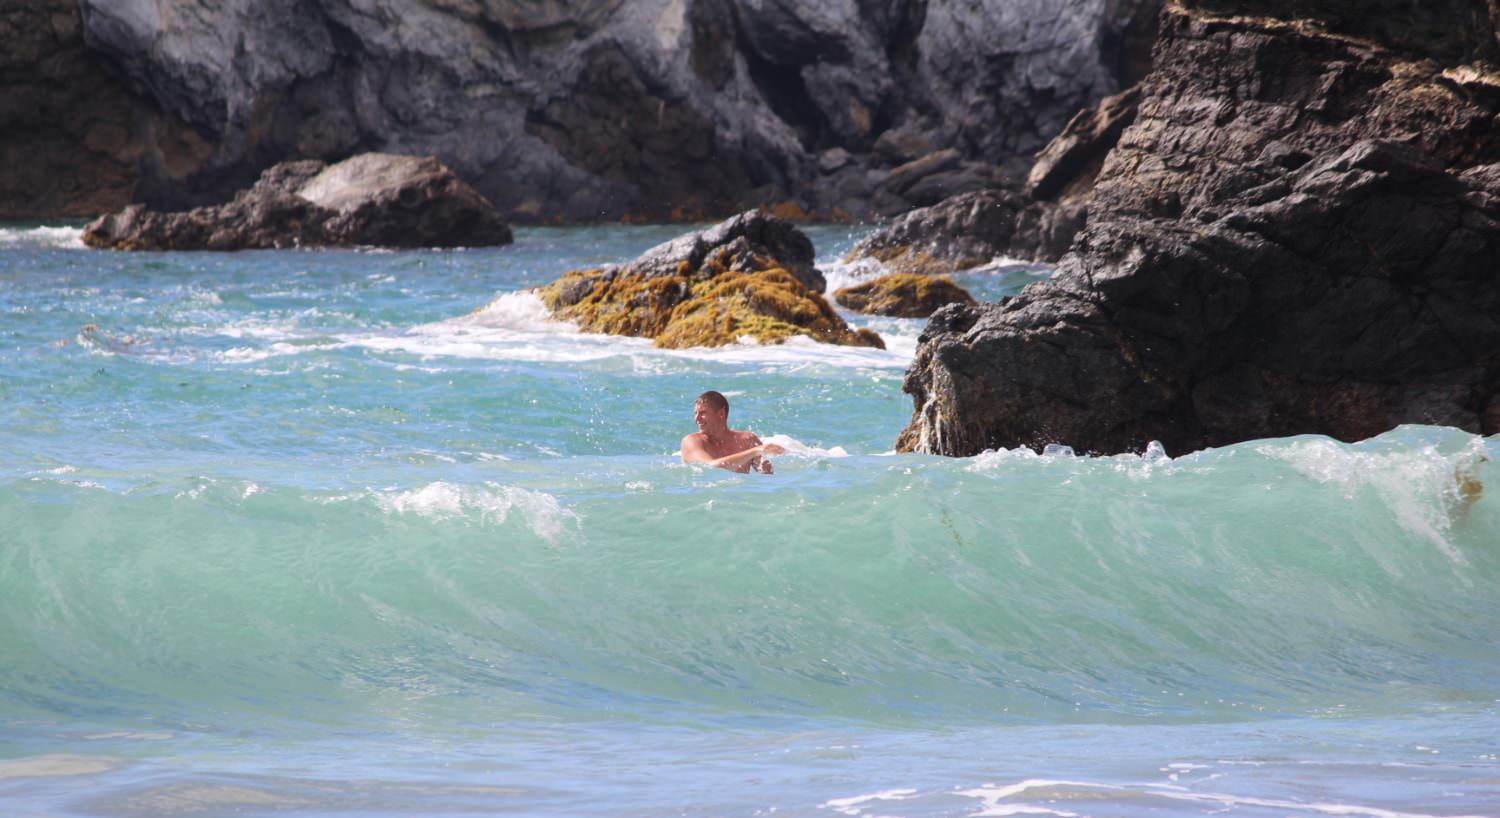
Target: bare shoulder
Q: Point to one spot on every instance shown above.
(694, 446)
(747, 440)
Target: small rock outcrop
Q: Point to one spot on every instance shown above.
(966, 231)
(368, 200)
(750, 276)
(903, 295)
(1299, 233)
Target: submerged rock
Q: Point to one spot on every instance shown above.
(750, 276)
(368, 200)
(1298, 234)
(903, 295)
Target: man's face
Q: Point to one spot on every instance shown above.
(705, 416)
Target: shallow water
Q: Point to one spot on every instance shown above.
(352, 532)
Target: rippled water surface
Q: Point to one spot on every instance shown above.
(363, 533)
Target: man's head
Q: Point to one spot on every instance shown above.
(711, 411)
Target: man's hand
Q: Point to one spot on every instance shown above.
(769, 448)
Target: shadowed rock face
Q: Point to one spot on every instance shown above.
(601, 109)
(750, 276)
(369, 200)
(1037, 224)
(1300, 233)
(73, 139)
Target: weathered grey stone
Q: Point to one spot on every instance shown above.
(601, 109)
(948, 234)
(368, 200)
(766, 235)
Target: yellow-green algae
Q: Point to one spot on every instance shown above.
(904, 295)
(727, 297)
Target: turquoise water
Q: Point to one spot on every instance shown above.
(362, 533)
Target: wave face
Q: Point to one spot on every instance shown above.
(1275, 577)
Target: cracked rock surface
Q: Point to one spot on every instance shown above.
(1299, 233)
(586, 110)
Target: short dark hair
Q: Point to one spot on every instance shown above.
(714, 400)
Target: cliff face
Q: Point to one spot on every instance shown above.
(1299, 233)
(72, 137)
(602, 109)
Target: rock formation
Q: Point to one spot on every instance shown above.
(72, 136)
(1300, 233)
(1038, 223)
(903, 295)
(750, 276)
(368, 200)
(600, 109)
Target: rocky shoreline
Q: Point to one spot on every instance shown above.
(1290, 224)
(587, 111)
(1298, 233)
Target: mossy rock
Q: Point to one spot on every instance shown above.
(734, 293)
(750, 276)
(903, 295)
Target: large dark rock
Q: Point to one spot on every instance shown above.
(1300, 233)
(750, 276)
(602, 109)
(369, 200)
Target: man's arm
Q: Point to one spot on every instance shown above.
(693, 451)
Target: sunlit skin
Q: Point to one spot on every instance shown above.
(717, 445)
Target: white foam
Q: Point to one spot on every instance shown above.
(70, 238)
(1053, 791)
(800, 350)
(856, 805)
(841, 274)
(1419, 487)
(521, 311)
(490, 503)
(243, 355)
(1007, 263)
(1233, 801)
(48, 766)
(517, 327)
(796, 448)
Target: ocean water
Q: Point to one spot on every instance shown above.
(357, 533)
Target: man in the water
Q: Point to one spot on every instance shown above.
(717, 445)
